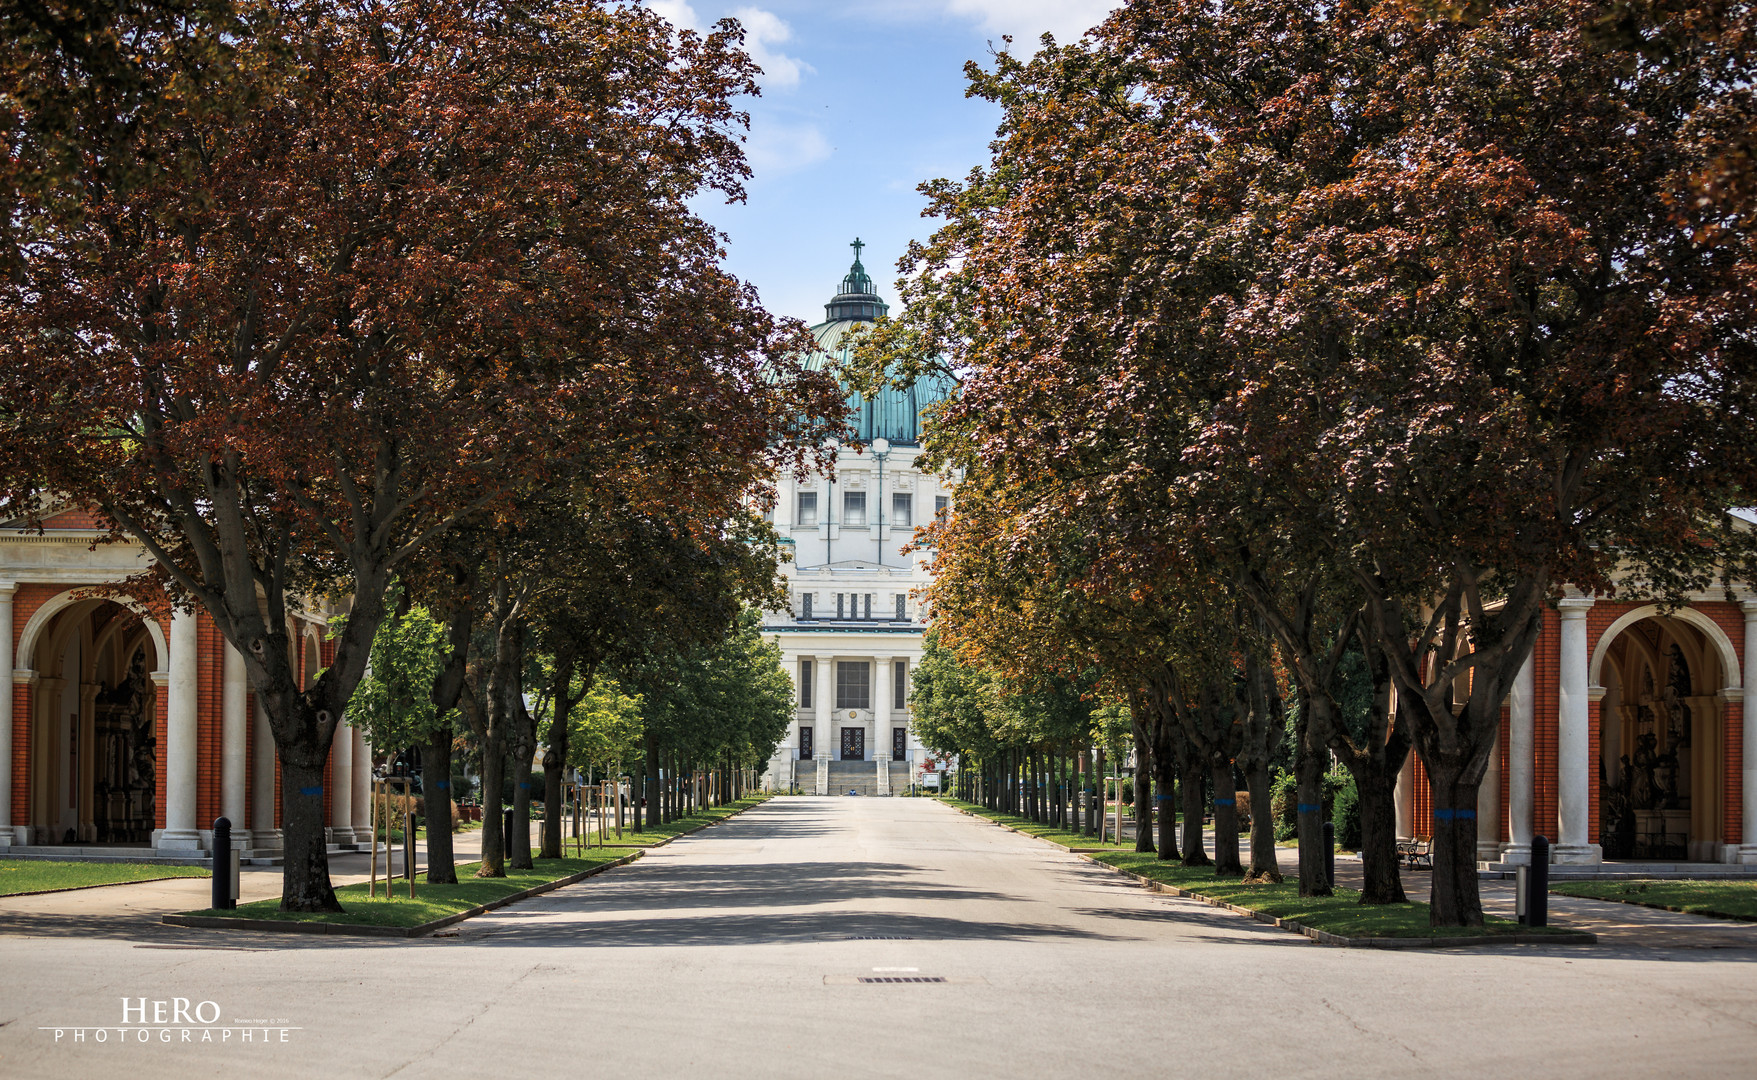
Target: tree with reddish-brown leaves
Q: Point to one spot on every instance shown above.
(1440, 296)
(444, 258)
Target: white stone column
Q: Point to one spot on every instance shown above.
(1521, 763)
(6, 590)
(1403, 798)
(1574, 738)
(1748, 709)
(341, 783)
(360, 804)
(881, 709)
(1488, 808)
(824, 704)
(234, 745)
(263, 834)
(181, 750)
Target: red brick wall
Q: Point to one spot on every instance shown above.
(1546, 660)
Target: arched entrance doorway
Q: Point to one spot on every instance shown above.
(94, 738)
(1661, 770)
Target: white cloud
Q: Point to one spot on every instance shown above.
(777, 147)
(762, 31)
(676, 12)
(1026, 20)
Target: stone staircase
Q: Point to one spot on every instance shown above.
(857, 776)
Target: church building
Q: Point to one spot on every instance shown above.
(853, 632)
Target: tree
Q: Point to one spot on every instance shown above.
(393, 706)
(1440, 285)
(448, 245)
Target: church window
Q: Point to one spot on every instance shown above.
(900, 690)
(807, 508)
(940, 505)
(805, 683)
(902, 508)
(902, 612)
(854, 509)
(805, 605)
(839, 599)
(853, 684)
(869, 605)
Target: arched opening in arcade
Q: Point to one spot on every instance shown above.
(94, 764)
(1661, 775)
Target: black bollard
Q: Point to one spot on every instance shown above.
(222, 860)
(1330, 854)
(506, 834)
(1537, 883)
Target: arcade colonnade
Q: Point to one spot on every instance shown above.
(1625, 736)
(121, 722)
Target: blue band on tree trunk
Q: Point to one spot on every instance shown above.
(1454, 815)
(1309, 808)
(441, 785)
(311, 790)
(1225, 802)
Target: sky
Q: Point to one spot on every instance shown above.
(860, 104)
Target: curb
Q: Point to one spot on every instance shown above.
(277, 926)
(1322, 937)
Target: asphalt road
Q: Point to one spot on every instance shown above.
(748, 950)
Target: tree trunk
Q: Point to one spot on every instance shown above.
(1377, 799)
(650, 781)
(519, 844)
(1100, 801)
(1264, 867)
(1455, 900)
(1165, 772)
(493, 780)
(1308, 772)
(436, 762)
(305, 876)
(1143, 806)
(1189, 770)
(1226, 861)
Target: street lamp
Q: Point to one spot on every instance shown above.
(881, 447)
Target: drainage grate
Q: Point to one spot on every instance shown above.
(902, 979)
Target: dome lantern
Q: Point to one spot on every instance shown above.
(857, 301)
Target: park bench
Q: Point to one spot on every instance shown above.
(1417, 853)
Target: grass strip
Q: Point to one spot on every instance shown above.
(1725, 899)
(23, 877)
(1341, 913)
(431, 902)
(1025, 825)
(434, 902)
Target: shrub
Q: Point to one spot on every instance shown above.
(1347, 815)
(1284, 805)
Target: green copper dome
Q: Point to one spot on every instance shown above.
(895, 414)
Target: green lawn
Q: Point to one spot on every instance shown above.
(1341, 913)
(433, 902)
(31, 876)
(1727, 899)
(1026, 825)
